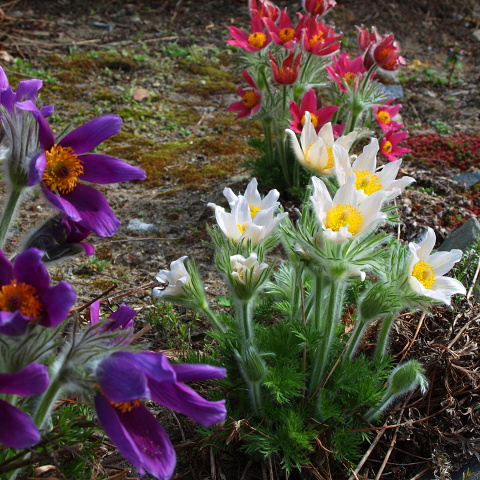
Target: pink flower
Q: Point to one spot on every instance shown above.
(389, 145)
(385, 114)
(365, 37)
(318, 39)
(250, 102)
(385, 53)
(288, 72)
(345, 72)
(265, 9)
(318, 7)
(254, 41)
(284, 34)
(319, 117)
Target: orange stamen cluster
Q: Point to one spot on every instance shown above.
(250, 99)
(286, 34)
(387, 147)
(315, 39)
(313, 118)
(257, 39)
(125, 407)
(384, 117)
(62, 170)
(20, 296)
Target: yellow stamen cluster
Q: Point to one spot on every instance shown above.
(315, 39)
(313, 118)
(330, 161)
(286, 34)
(250, 99)
(387, 147)
(344, 216)
(424, 273)
(242, 226)
(349, 78)
(367, 181)
(125, 407)
(257, 39)
(62, 170)
(253, 210)
(384, 117)
(20, 296)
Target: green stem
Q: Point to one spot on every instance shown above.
(354, 340)
(381, 349)
(13, 198)
(267, 131)
(243, 313)
(214, 320)
(47, 402)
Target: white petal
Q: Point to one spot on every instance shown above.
(450, 286)
(297, 149)
(326, 134)
(426, 245)
(442, 262)
(367, 160)
(346, 140)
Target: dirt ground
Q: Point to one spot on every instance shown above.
(111, 54)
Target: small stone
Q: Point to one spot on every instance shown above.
(464, 237)
(393, 91)
(136, 225)
(470, 179)
(476, 35)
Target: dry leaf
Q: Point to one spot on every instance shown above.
(140, 94)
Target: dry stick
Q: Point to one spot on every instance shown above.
(419, 475)
(410, 344)
(367, 454)
(459, 334)
(470, 290)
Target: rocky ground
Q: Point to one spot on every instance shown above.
(163, 66)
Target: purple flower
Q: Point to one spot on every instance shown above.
(119, 319)
(64, 164)
(125, 378)
(26, 294)
(17, 429)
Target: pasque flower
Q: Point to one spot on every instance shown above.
(254, 41)
(288, 72)
(426, 270)
(246, 271)
(17, 429)
(26, 294)
(318, 7)
(384, 115)
(284, 34)
(250, 102)
(127, 378)
(317, 152)
(64, 164)
(318, 39)
(369, 179)
(345, 72)
(176, 278)
(318, 116)
(385, 53)
(264, 9)
(343, 216)
(366, 37)
(389, 144)
(120, 319)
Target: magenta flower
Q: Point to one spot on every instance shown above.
(318, 116)
(26, 294)
(384, 115)
(250, 102)
(385, 53)
(120, 319)
(284, 34)
(346, 73)
(17, 429)
(366, 37)
(318, 39)
(288, 72)
(125, 378)
(264, 9)
(64, 164)
(389, 145)
(254, 41)
(318, 7)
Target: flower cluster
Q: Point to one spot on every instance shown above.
(289, 67)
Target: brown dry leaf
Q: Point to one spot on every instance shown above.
(5, 57)
(44, 470)
(140, 94)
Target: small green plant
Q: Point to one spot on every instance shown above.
(441, 127)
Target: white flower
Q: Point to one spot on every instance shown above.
(239, 225)
(319, 152)
(246, 270)
(253, 197)
(177, 277)
(369, 179)
(344, 216)
(426, 271)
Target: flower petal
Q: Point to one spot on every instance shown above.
(45, 134)
(29, 268)
(103, 169)
(30, 380)
(194, 372)
(6, 270)
(13, 324)
(91, 134)
(18, 429)
(57, 302)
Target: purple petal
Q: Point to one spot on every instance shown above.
(13, 324)
(183, 399)
(156, 366)
(47, 110)
(57, 302)
(86, 137)
(28, 89)
(122, 317)
(6, 270)
(139, 438)
(95, 312)
(3, 80)
(63, 205)
(31, 380)
(36, 169)
(45, 134)
(121, 379)
(29, 268)
(18, 429)
(103, 169)
(196, 373)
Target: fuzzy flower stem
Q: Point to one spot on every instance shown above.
(383, 336)
(47, 401)
(354, 339)
(8, 214)
(267, 130)
(213, 319)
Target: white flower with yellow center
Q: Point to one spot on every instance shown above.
(344, 217)
(246, 270)
(239, 226)
(369, 179)
(318, 152)
(176, 278)
(426, 270)
(253, 197)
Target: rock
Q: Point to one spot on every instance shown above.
(476, 34)
(136, 225)
(393, 91)
(469, 178)
(464, 237)
(472, 468)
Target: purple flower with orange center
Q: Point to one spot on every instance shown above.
(284, 34)
(318, 116)
(64, 164)
(26, 295)
(385, 114)
(17, 429)
(318, 39)
(254, 41)
(389, 145)
(124, 380)
(250, 102)
(288, 72)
